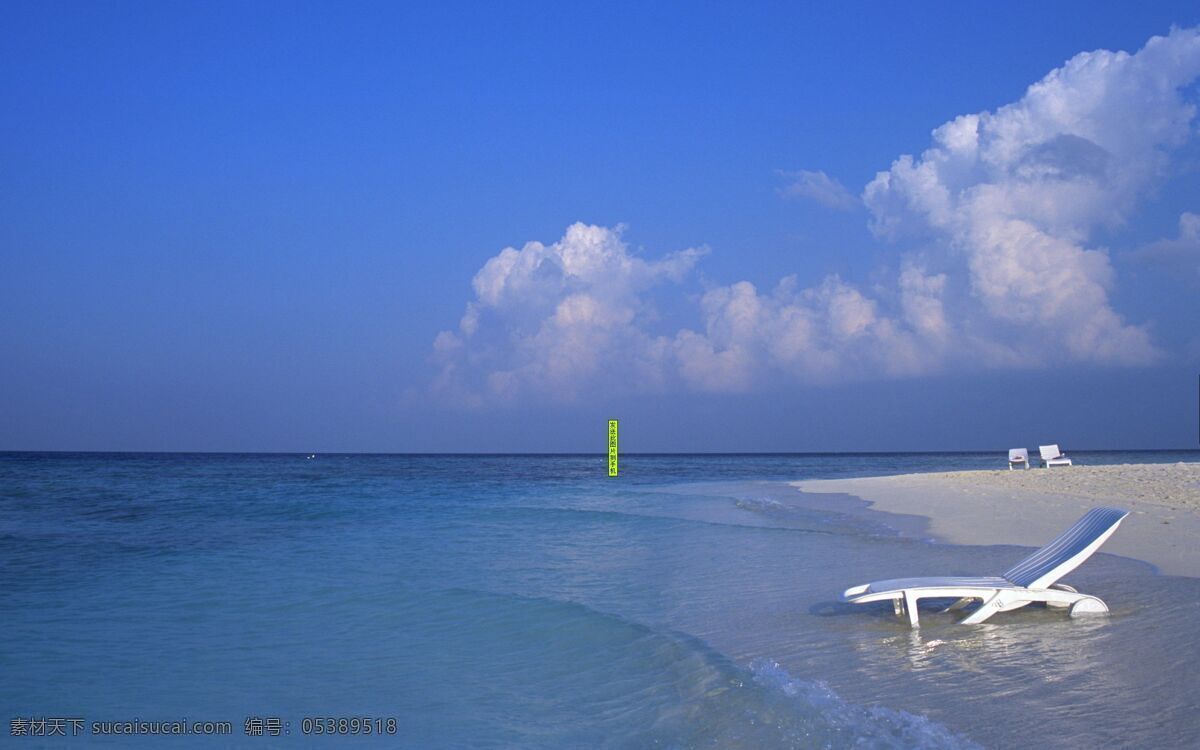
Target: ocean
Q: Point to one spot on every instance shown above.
(488, 601)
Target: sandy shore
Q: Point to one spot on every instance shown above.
(1030, 507)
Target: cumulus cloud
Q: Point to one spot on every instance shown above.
(819, 187)
(559, 316)
(557, 320)
(818, 334)
(1002, 205)
(1018, 192)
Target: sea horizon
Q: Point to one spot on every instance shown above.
(971, 452)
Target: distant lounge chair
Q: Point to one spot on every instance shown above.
(1018, 457)
(1031, 580)
(1052, 456)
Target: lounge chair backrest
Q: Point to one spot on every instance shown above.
(1065, 553)
(1018, 454)
(1049, 451)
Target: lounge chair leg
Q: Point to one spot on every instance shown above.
(959, 604)
(910, 603)
(991, 605)
(898, 607)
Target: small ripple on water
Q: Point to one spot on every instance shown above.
(580, 676)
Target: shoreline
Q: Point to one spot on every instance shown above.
(1030, 507)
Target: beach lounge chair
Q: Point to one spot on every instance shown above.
(1034, 579)
(1052, 456)
(1018, 457)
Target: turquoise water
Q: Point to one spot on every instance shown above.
(531, 601)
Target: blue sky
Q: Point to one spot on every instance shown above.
(284, 226)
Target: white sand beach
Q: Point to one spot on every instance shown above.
(1030, 507)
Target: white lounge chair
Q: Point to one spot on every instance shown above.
(1018, 457)
(1031, 580)
(1052, 456)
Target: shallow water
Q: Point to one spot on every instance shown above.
(533, 602)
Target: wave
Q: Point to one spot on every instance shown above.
(840, 723)
(760, 505)
(572, 676)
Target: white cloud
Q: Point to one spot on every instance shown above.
(921, 302)
(1018, 192)
(554, 321)
(550, 319)
(1002, 204)
(829, 332)
(820, 187)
